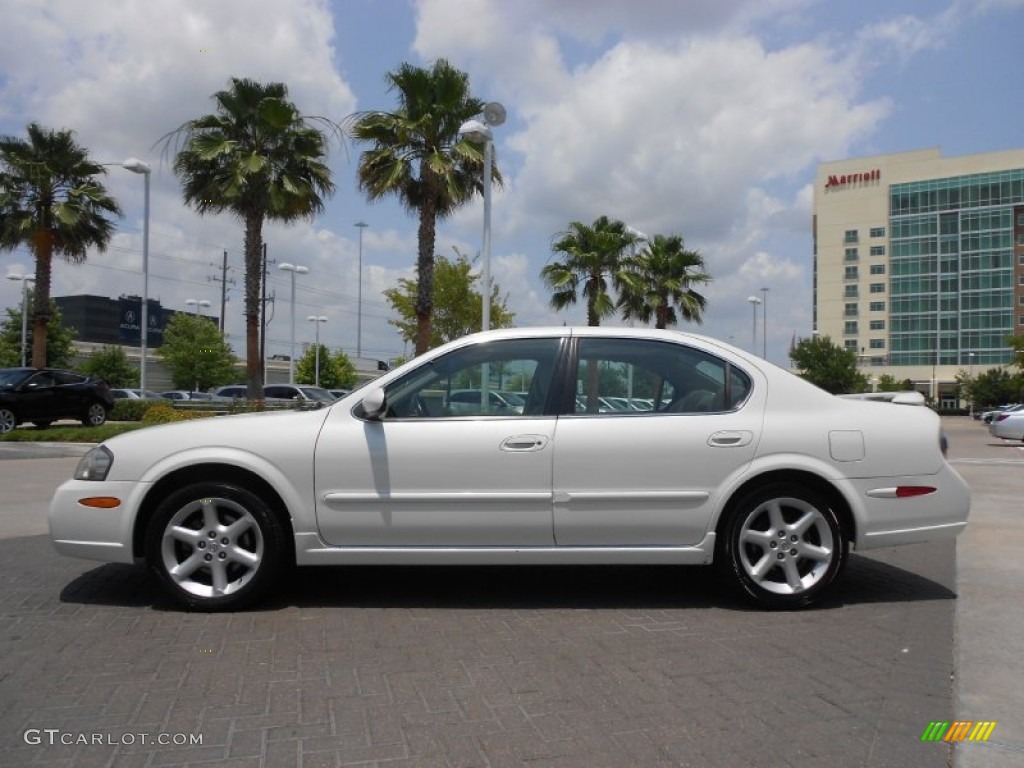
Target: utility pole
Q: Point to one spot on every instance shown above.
(263, 314)
(223, 280)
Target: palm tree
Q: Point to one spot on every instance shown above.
(416, 154)
(593, 257)
(51, 203)
(662, 278)
(258, 158)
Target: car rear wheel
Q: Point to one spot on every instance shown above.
(214, 546)
(783, 546)
(95, 415)
(8, 420)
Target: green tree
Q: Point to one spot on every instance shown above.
(457, 307)
(828, 365)
(996, 386)
(889, 383)
(257, 158)
(1016, 343)
(51, 203)
(418, 156)
(196, 353)
(111, 364)
(660, 282)
(59, 339)
(592, 257)
(336, 371)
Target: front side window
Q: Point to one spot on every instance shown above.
(654, 376)
(510, 378)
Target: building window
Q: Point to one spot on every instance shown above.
(851, 236)
(1020, 219)
(851, 254)
(850, 273)
(878, 287)
(878, 325)
(1020, 320)
(850, 327)
(1020, 239)
(850, 344)
(878, 269)
(878, 250)
(850, 292)
(877, 306)
(851, 310)
(877, 343)
(878, 231)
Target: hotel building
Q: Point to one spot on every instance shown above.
(919, 262)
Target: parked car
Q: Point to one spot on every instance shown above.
(337, 394)
(231, 392)
(773, 483)
(44, 395)
(303, 392)
(987, 416)
(1008, 425)
(181, 394)
(134, 394)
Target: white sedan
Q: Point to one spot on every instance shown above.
(1008, 425)
(741, 464)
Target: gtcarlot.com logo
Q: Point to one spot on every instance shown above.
(958, 730)
(54, 736)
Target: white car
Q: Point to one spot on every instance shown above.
(1008, 425)
(741, 464)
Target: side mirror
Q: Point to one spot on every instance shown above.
(374, 403)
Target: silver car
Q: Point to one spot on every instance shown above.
(740, 464)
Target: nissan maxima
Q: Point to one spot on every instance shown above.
(740, 464)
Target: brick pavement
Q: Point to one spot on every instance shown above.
(539, 667)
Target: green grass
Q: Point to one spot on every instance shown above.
(68, 434)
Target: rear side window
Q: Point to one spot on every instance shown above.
(654, 376)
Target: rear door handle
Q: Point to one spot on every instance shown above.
(731, 439)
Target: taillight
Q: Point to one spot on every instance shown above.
(1002, 416)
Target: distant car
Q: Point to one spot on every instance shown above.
(134, 394)
(44, 395)
(232, 392)
(740, 464)
(339, 393)
(471, 402)
(303, 392)
(987, 416)
(1008, 425)
(181, 394)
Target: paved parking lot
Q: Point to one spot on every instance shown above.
(637, 666)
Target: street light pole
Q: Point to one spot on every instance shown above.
(754, 301)
(359, 310)
(137, 166)
(316, 344)
(294, 269)
(764, 323)
(25, 280)
(477, 132)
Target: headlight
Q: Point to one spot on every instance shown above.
(95, 464)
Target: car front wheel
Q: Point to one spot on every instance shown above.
(95, 415)
(214, 546)
(8, 420)
(783, 546)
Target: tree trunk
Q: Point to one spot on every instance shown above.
(41, 299)
(253, 273)
(425, 264)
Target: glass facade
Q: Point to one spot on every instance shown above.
(951, 269)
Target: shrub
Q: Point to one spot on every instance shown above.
(165, 413)
(129, 410)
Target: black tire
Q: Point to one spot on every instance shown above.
(95, 415)
(783, 546)
(233, 540)
(8, 420)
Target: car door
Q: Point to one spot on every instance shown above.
(433, 472)
(650, 478)
(38, 398)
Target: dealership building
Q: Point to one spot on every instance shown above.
(919, 262)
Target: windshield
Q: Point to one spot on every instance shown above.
(316, 393)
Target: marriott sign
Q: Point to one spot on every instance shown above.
(838, 182)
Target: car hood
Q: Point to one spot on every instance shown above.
(282, 438)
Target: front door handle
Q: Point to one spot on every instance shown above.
(522, 443)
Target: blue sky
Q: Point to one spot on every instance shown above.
(703, 118)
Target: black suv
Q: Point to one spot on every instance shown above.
(43, 395)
